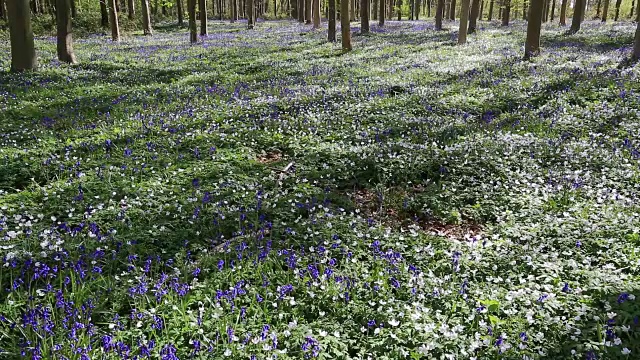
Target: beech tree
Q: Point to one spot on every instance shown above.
(636, 44)
(578, 10)
(316, 14)
(146, 18)
(532, 45)
(113, 19)
(332, 21)
(307, 11)
(364, 16)
(563, 13)
(605, 11)
(193, 28)
(464, 18)
(439, 11)
(180, 11)
(104, 14)
(300, 10)
(473, 17)
(23, 52)
(63, 24)
(506, 12)
(251, 14)
(381, 14)
(452, 10)
(617, 15)
(202, 8)
(131, 11)
(345, 24)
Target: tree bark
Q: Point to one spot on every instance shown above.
(113, 19)
(563, 13)
(364, 16)
(3, 10)
(180, 13)
(381, 15)
(345, 24)
(532, 45)
(545, 11)
(23, 52)
(553, 10)
(505, 13)
(490, 10)
(617, 16)
(605, 10)
(251, 14)
(473, 17)
(464, 21)
(307, 11)
(332, 21)
(636, 44)
(300, 10)
(131, 11)
(439, 14)
(193, 28)
(598, 9)
(374, 13)
(525, 6)
(481, 9)
(416, 9)
(578, 8)
(452, 10)
(633, 5)
(104, 14)
(202, 8)
(64, 32)
(316, 14)
(399, 10)
(74, 9)
(146, 17)
(352, 10)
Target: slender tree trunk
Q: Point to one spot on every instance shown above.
(532, 45)
(64, 32)
(490, 17)
(553, 10)
(374, 13)
(193, 27)
(234, 10)
(439, 14)
(180, 13)
(316, 14)
(428, 8)
(332, 21)
(473, 17)
(300, 10)
(578, 8)
(352, 10)
(617, 16)
(598, 4)
(399, 10)
(505, 13)
(104, 14)
(636, 44)
(381, 15)
(113, 19)
(452, 10)
(525, 7)
(563, 13)
(605, 11)
(464, 22)
(307, 11)
(202, 7)
(364, 16)
(146, 17)
(117, 4)
(481, 9)
(633, 5)
(545, 11)
(3, 10)
(131, 12)
(345, 24)
(74, 9)
(416, 8)
(251, 14)
(23, 52)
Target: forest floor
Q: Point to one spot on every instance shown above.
(262, 195)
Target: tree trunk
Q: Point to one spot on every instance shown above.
(332, 21)
(428, 8)
(74, 9)
(553, 10)
(113, 17)
(300, 10)
(598, 9)
(545, 11)
(374, 13)
(605, 10)
(131, 11)
(63, 24)
(473, 17)
(633, 5)
(563, 13)
(3, 10)
(352, 10)
(307, 11)
(617, 16)
(193, 27)
(234, 10)
(316, 14)
(202, 8)
(490, 11)
(636, 44)
(364, 16)
(439, 14)
(382, 14)
(146, 17)
(416, 9)
(399, 10)
(345, 24)
(452, 10)
(180, 13)
(104, 14)
(23, 52)
(251, 14)
(578, 8)
(464, 21)
(505, 13)
(525, 6)
(532, 45)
